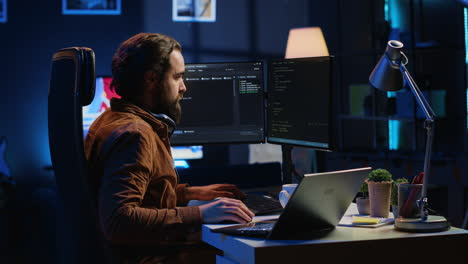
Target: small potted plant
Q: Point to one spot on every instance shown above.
(362, 202)
(395, 207)
(379, 182)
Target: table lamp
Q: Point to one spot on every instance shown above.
(306, 42)
(388, 75)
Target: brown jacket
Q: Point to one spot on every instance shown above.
(136, 186)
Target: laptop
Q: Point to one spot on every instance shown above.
(315, 208)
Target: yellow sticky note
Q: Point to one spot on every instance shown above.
(365, 220)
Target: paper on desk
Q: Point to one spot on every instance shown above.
(364, 221)
(352, 218)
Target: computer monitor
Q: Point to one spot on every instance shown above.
(224, 103)
(299, 109)
(187, 152)
(101, 102)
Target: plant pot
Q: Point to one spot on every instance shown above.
(363, 205)
(379, 196)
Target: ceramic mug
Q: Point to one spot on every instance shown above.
(286, 192)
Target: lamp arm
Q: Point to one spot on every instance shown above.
(428, 112)
(429, 126)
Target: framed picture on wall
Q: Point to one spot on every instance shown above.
(194, 10)
(3, 11)
(91, 7)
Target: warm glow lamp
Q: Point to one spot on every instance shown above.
(388, 75)
(306, 42)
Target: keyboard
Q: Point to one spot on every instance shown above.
(259, 229)
(261, 204)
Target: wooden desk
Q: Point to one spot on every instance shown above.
(383, 244)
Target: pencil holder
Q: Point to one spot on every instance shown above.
(408, 197)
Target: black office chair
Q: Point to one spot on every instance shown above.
(72, 86)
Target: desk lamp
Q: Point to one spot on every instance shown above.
(306, 42)
(388, 75)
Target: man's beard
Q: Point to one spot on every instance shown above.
(168, 106)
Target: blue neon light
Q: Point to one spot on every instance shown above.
(394, 135)
(392, 16)
(465, 19)
(181, 164)
(4, 14)
(386, 11)
(94, 9)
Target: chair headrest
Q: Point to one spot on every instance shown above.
(85, 70)
(89, 76)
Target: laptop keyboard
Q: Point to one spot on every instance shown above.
(262, 205)
(258, 229)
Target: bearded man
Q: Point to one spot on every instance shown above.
(141, 205)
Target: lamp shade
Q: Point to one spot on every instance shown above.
(387, 75)
(306, 42)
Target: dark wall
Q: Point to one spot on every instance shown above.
(244, 29)
(34, 31)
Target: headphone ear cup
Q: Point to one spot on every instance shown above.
(168, 121)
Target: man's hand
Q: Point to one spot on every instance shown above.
(225, 209)
(210, 192)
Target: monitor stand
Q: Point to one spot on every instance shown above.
(288, 167)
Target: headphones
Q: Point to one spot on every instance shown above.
(171, 125)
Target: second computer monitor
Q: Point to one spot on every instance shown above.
(224, 103)
(300, 103)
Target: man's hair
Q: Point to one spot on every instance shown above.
(139, 54)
